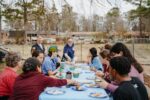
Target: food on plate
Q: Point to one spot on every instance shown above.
(91, 85)
(96, 94)
(79, 88)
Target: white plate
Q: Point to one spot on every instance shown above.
(81, 88)
(97, 95)
(90, 78)
(55, 92)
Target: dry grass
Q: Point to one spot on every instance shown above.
(24, 50)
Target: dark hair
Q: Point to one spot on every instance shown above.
(121, 65)
(12, 59)
(31, 64)
(36, 53)
(118, 47)
(93, 51)
(50, 53)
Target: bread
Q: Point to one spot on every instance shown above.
(96, 94)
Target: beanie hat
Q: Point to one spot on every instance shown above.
(53, 48)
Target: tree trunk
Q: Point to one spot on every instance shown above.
(140, 26)
(0, 25)
(140, 20)
(25, 13)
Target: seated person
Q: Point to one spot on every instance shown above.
(9, 74)
(94, 60)
(120, 49)
(39, 55)
(129, 88)
(30, 84)
(105, 55)
(51, 64)
(107, 46)
(105, 60)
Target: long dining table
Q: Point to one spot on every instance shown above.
(71, 94)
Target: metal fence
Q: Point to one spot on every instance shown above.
(140, 48)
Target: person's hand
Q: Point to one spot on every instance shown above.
(89, 59)
(69, 59)
(53, 76)
(71, 82)
(103, 84)
(99, 73)
(68, 62)
(73, 49)
(93, 69)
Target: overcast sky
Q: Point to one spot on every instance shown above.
(84, 7)
(100, 7)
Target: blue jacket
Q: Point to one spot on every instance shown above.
(96, 63)
(69, 50)
(49, 64)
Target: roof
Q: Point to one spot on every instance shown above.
(85, 33)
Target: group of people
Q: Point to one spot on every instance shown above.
(118, 70)
(50, 61)
(30, 83)
(122, 75)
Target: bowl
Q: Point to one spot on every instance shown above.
(76, 74)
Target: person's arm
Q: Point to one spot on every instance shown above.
(49, 81)
(51, 73)
(105, 85)
(33, 49)
(111, 87)
(68, 58)
(43, 48)
(48, 68)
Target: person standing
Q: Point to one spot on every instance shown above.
(39, 45)
(68, 52)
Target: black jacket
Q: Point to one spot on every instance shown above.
(38, 48)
